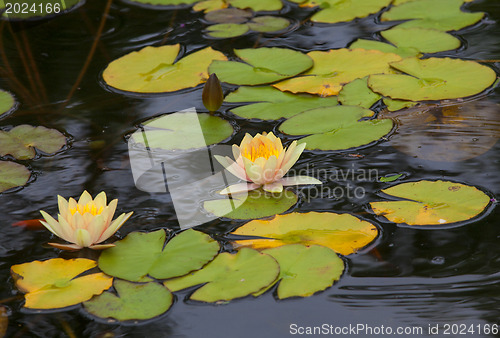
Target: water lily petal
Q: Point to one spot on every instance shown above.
(110, 211)
(51, 224)
(232, 167)
(82, 238)
(78, 222)
(299, 180)
(270, 169)
(100, 200)
(63, 206)
(87, 219)
(254, 172)
(239, 187)
(67, 231)
(85, 198)
(114, 226)
(289, 151)
(101, 246)
(96, 228)
(246, 140)
(236, 151)
(274, 187)
(260, 161)
(288, 163)
(65, 246)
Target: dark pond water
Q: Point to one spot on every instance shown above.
(410, 277)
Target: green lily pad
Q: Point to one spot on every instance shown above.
(433, 79)
(267, 23)
(229, 276)
(153, 70)
(422, 39)
(229, 15)
(343, 233)
(140, 254)
(165, 2)
(227, 30)
(54, 284)
(22, 140)
(12, 175)
(343, 11)
(179, 131)
(263, 65)
(404, 52)
(357, 93)
(7, 102)
(305, 270)
(390, 178)
(133, 302)
(255, 204)
(254, 5)
(444, 15)
(336, 128)
(34, 9)
(432, 203)
(334, 68)
(273, 104)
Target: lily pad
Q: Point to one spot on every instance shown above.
(22, 140)
(54, 284)
(183, 130)
(7, 102)
(133, 302)
(140, 254)
(165, 2)
(384, 47)
(263, 65)
(357, 93)
(343, 233)
(422, 39)
(255, 204)
(433, 79)
(227, 30)
(445, 15)
(12, 175)
(267, 24)
(305, 270)
(34, 9)
(342, 11)
(339, 128)
(273, 104)
(229, 276)
(395, 105)
(153, 70)
(432, 203)
(254, 5)
(334, 68)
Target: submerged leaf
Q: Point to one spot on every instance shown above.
(255, 204)
(432, 203)
(12, 175)
(263, 65)
(273, 104)
(152, 69)
(53, 283)
(342, 233)
(229, 15)
(227, 30)
(339, 129)
(433, 79)
(140, 254)
(229, 276)
(334, 68)
(132, 302)
(255, 5)
(267, 24)
(22, 140)
(305, 270)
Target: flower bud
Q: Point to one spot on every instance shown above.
(212, 93)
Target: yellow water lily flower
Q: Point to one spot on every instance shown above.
(262, 161)
(84, 223)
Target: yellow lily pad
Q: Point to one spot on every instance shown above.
(22, 140)
(7, 103)
(53, 283)
(153, 70)
(433, 79)
(343, 233)
(432, 203)
(334, 68)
